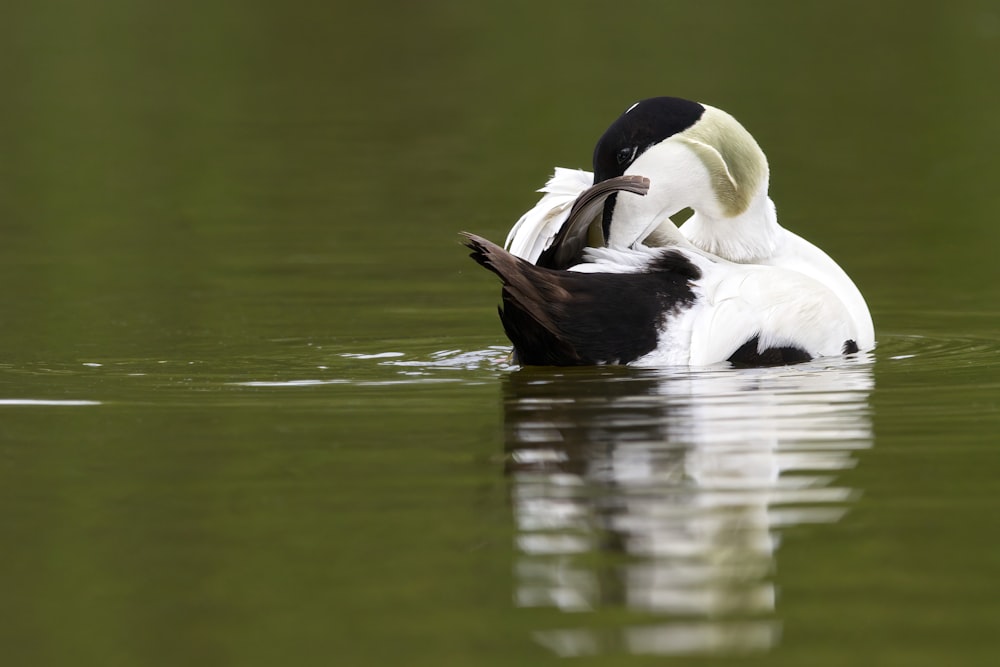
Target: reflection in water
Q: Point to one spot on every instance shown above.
(663, 494)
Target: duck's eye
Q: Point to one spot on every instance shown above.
(626, 154)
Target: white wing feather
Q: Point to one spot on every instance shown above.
(534, 231)
(781, 307)
(735, 302)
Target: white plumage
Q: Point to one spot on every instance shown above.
(734, 302)
(535, 230)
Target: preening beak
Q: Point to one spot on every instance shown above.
(585, 223)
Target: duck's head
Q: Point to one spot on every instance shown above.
(695, 156)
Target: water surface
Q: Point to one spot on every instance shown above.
(255, 403)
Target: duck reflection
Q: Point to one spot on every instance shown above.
(665, 493)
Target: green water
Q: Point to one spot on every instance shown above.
(254, 404)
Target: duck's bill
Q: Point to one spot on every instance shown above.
(583, 226)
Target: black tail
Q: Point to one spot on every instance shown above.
(565, 318)
(528, 293)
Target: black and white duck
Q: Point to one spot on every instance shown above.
(598, 273)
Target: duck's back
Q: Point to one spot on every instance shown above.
(754, 316)
(658, 307)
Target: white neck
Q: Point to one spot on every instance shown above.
(675, 174)
(682, 178)
(751, 236)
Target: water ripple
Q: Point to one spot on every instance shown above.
(46, 402)
(940, 350)
(495, 357)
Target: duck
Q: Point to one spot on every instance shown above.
(598, 273)
(700, 158)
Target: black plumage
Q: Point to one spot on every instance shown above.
(567, 318)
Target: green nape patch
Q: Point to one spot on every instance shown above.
(734, 160)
